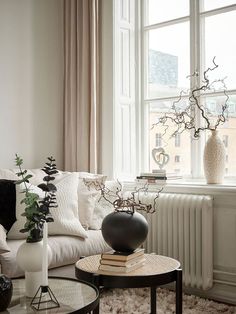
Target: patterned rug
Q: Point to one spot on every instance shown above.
(137, 301)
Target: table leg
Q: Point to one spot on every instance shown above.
(178, 292)
(96, 282)
(153, 300)
(96, 310)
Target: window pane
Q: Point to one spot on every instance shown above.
(227, 131)
(210, 4)
(177, 148)
(160, 11)
(168, 60)
(220, 42)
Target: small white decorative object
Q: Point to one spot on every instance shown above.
(160, 157)
(33, 259)
(214, 159)
(29, 258)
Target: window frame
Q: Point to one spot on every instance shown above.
(196, 64)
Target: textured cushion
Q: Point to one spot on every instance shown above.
(86, 205)
(66, 250)
(3, 243)
(7, 203)
(102, 207)
(87, 197)
(66, 220)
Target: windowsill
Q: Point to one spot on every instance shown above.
(189, 186)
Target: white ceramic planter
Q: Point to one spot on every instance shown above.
(29, 258)
(214, 159)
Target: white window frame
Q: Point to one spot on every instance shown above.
(137, 154)
(196, 64)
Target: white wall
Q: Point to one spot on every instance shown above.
(31, 81)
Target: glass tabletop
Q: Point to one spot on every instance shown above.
(73, 296)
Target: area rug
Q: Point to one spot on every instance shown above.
(137, 301)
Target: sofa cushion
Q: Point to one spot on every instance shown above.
(66, 250)
(66, 220)
(87, 196)
(3, 243)
(103, 207)
(7, 203)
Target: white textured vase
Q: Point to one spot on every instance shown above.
(214, 159)
(29, 258)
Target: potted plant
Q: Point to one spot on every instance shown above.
(31, 254)
(125, 229)
(180, 119)
(37, 211)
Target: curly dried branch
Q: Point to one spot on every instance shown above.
(130, 203)
(185, 119)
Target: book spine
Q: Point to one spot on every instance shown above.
(152, 177)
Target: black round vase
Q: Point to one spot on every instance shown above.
(5, 292)
(124, 231)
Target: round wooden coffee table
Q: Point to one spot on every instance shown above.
(157, 270)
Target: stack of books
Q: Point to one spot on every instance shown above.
(157, 176)
(122, 262)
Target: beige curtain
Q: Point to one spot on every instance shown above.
(81, 85)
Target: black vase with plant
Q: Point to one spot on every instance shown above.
(125, 229)
(37, 211)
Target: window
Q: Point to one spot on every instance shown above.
(158, 140)
(170, 53)
(225, 140)
(177, 140)
(157, 47)
(226, 158)
(177, 158)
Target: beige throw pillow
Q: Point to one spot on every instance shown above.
(87, 197)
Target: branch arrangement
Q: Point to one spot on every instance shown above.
(183, 120)
(128, 204)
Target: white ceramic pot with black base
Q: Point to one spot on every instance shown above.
(29, 258)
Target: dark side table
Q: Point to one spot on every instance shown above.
(157, 270)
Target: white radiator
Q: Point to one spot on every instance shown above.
(182, 228)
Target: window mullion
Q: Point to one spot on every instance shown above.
(195, 53)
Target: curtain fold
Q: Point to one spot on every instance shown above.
(81, 85)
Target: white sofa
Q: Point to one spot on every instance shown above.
(66, 248)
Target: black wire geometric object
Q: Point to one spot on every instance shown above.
(44, 299)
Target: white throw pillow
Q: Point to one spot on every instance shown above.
(102, 207)
(66, 220)
(86, 205)
(3, 243)
(87, 196)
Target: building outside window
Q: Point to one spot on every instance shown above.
(177, 140)
(177, 158)
(225, 140)
(158, 140)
